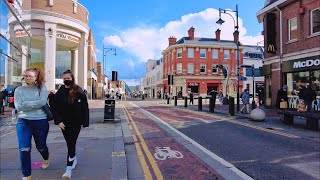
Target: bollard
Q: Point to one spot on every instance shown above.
(168, 100)
(253, 105)
(175, 100)
(186, 101)
(211, 105)
(200, 103)
(214, 101)
(231, 106)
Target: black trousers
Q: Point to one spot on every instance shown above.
(71, 134)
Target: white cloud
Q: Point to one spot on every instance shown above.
(147, 42)
(98, 51)
(132, 82)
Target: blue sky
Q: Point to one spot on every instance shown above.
(139, 30)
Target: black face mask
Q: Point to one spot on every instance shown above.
(67, 82)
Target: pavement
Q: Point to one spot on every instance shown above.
(105, 150)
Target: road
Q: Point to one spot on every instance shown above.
(259, 152)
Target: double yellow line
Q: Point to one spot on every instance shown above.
(144, 146)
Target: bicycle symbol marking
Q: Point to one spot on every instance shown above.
(162, 153)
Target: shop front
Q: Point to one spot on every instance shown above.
(193, 87)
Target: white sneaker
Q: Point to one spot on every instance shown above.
(67, 174)
(75, 161)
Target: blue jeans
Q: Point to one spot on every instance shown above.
(25, 130)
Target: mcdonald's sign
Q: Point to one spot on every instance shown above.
(271, 48)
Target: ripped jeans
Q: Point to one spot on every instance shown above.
(25, 130)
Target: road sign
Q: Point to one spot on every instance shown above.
(243, 78)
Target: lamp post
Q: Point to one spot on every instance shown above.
(236, 26)
(105, 50)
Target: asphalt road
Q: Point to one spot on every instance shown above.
(262, 154)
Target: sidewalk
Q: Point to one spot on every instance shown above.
(100, 150)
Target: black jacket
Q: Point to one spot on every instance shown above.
(75, 113)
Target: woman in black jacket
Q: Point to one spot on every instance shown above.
(71, 112)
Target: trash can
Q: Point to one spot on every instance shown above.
(109, 108)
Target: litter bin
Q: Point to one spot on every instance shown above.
(109, 108)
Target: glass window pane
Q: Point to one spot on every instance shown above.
(63, 60)
(226, 54)
(202, 53)
(190, 53)
(215, 54)
(315, 21)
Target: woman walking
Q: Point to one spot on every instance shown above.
(32, 120)
(245, 99)
(70, 109)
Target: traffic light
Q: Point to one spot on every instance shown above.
(170, 79)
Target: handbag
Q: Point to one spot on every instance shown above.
(283, 105)
(47, 110)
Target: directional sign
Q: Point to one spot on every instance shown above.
(243, 78)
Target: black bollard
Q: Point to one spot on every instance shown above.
(186, 101)
(231, 106)
(214, 101)
(200, 103)
(211, 105)
(168, 100)
(253, 105)
(175, 100)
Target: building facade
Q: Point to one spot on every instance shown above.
(153, 80)
(193, 63)
(292, 48)
(59, 39)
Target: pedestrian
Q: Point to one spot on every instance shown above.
(32, 120)
(308, 96)
(191, 98)
(282, 96)
(245, 100)
(70, 110)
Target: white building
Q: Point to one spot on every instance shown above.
(153, 84)
(253, 56)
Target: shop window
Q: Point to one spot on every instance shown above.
(179, 68)
(63, 60)
(190, 53)
(315, 21)
(193, 88)
(226, 54)
(202, 53)
(215, 54)
(179, 53)
(293, 28)
(190, 68)
(202, 68)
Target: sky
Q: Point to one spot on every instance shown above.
(139, 30)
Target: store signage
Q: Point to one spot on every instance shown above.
(68, 37)
(307, 63)
(193, 84)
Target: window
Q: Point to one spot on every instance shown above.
(293, 30)
(190, 68)
(179, 68)
(214, 69)
(202, 68)
(179, 53)
(315, 21)
(202, 53)
(226, 54)
(215, 54)
(190, 53)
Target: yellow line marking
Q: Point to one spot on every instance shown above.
(143, 162)
(153, 163)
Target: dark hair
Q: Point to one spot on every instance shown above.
(74, 88)
(40, 76)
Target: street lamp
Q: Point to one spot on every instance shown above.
(104, 55)
(236, 26)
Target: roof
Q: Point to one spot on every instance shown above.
(206, 42)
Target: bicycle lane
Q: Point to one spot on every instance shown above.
(161, 156)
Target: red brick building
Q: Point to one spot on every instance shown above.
(292, 45)
(192, 62)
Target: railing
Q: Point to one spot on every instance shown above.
(294, 101)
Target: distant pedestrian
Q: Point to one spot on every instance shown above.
(282, 96)
(191, 98)
(32, 120)
(245, 100)
(70, 109)
(309, 95)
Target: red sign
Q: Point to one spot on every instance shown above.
(10, 1)
(193, 84)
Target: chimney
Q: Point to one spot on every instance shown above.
(218, 31)
(191, 33)
(172, 40)
(236, 36)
